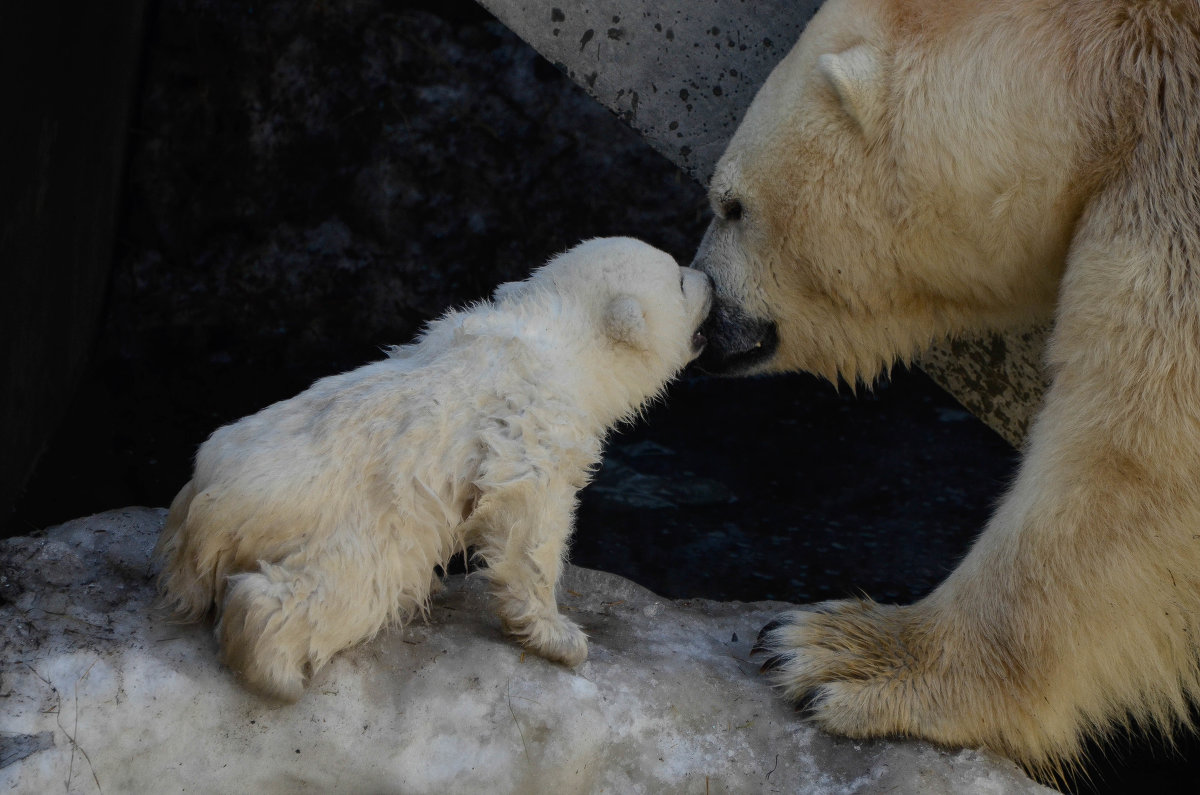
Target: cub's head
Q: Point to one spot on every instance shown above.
(633, 315)
(911, 169)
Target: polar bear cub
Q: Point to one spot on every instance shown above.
(314, 523)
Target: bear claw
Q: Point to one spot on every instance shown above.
(760, 643)
(771, 663)
(808, 703)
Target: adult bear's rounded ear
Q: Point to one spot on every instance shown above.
(856, 76)
(625, 322)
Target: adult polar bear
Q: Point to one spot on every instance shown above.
(921, 168)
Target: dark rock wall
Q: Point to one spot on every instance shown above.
(312, 177)
(309, 182)
(69, 77)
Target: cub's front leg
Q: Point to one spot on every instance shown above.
(522, 534)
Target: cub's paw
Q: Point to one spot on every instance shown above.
(554, 637)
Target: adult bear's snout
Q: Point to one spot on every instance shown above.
(737, 342)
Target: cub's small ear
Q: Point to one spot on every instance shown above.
(472, 326)
(508, 290)
(625, 322)
(856, 76)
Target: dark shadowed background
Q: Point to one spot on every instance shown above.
(308, 182)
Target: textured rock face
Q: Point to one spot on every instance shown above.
(308, 182)
(101, 694)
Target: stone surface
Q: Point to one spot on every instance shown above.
(680, 72)
(999, 378)
(683, 72)
(101, 694)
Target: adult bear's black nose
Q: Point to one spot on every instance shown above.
(737, 342)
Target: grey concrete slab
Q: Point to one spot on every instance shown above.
(682, 73)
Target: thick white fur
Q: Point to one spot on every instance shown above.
(314, 523)
(920, 168)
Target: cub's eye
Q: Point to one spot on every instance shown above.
(731, 210)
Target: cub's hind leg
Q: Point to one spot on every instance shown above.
(282, 623)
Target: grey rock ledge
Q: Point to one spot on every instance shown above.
(101, 694)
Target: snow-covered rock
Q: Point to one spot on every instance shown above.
(98, 692)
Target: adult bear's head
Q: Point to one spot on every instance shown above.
(907, 172)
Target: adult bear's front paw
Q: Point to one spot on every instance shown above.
(863, 669)
(847, 664)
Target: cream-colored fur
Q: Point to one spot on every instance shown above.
(921, 168)
(314, 523)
